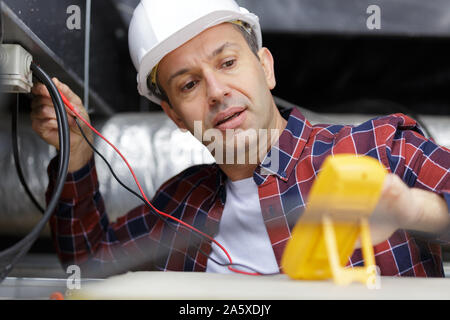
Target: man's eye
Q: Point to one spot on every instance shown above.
(189, 86)
(228, 63)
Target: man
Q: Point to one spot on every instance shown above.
(204, 63)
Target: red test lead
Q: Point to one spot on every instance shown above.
(70, 106)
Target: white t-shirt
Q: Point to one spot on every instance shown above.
(242, 231)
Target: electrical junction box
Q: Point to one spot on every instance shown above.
(15, 73)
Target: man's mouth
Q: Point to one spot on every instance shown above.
(229, 118)
(226, 119)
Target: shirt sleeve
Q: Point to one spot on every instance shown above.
(420, 162)
(83, 235)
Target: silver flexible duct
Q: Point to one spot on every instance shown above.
(155, 148)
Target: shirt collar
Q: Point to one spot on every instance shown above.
(283, 155)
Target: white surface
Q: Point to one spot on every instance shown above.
(211, 286)
(242, 231)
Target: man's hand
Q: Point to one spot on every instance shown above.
(401, 207)
(44, 122)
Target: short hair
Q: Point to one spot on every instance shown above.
(250, 37)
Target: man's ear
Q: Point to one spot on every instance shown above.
(266, 59)
(173, 115)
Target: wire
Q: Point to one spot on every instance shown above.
(15, 147)
(69, 105)
(18, 250)
(147, 203)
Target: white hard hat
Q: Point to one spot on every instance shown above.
(160, 26)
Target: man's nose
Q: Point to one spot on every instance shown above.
(217, 90)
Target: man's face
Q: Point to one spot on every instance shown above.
(216, 79)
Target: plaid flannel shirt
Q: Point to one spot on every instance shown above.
(140, 240)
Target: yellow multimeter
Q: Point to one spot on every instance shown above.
(345, 193)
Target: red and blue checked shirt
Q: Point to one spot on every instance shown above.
(140, 240)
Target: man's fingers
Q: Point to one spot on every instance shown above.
(42, 108)
(43, 111)
(396, 206)
(43, 126)
(40, 101)
(67, 92)
(42, 96)
(47, 112)
(394, 189)
(40, 89)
